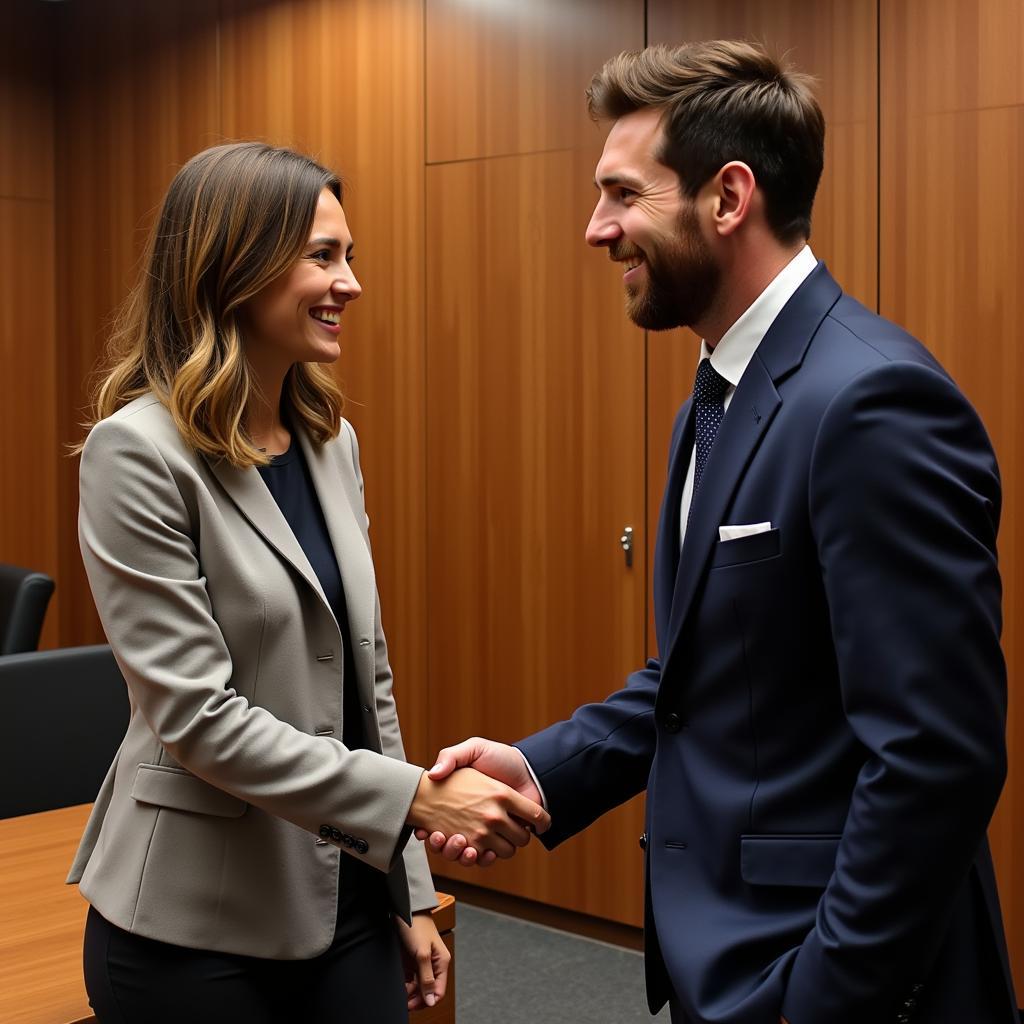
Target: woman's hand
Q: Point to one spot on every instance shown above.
(488, 813)
(425, 958)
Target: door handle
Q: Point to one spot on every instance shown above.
(626, 540)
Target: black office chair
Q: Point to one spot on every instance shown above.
(24, 595)
(63, 714)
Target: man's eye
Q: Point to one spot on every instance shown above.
(350, 257)
(626, 193)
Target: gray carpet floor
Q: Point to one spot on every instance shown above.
(511, 971)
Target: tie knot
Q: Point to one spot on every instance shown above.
(709, 386)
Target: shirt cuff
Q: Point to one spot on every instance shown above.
(536, 781)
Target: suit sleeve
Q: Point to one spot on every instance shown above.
(598, 758)
(904, 503)
(143, 566)
(421, 884)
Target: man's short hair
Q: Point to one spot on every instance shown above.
(725, 100)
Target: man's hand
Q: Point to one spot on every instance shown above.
(498, 760)
(491, 816)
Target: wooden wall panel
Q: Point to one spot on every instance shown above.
(535, 464)
(26, 100)
(952, 262)
(138, 96)
(29, 451)
(28, 407)
(837, 42)
(510, 77)
(343, 81)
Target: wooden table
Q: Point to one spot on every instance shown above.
(41, 923)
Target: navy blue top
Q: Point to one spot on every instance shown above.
(289, 481)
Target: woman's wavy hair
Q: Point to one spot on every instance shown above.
(235, 218)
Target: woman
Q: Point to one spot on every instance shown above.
(249, 845)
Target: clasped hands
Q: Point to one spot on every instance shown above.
(479, 802)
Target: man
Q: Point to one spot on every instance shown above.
(822, 736)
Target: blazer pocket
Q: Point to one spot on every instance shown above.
(788, 859)
(178, 789)
(754, 548)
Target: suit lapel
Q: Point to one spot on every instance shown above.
(750, 413)
(666, 547)
(350, 548)
(247, 490)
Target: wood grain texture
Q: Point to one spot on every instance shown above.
(42, 921)
(138, 96)
(29, 452)
(952, 261)
(837, 43)
(26, 99)
(535, 464)
(28, 334)
(508, 77)
(343, 81)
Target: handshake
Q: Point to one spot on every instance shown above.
(479, 802)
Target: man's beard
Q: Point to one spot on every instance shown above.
(682, 279)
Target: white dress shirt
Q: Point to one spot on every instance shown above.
(732, 354)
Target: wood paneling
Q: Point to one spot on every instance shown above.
(535, 463)
(343, 81)
(952, 220)
(138, 96)
(837, 42)
(26, 99)
(28, 281)
(510, 77)
(29, 453)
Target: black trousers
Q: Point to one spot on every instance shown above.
(358, 980)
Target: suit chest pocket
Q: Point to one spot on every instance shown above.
(755, 548)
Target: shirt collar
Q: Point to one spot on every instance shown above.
(733, 353)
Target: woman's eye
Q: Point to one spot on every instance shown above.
(321, 255)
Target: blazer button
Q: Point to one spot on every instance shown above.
(643, 841)
(336, 835)
(325, 831)
(362, 846)
(673, 723)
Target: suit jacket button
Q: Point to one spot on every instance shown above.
(325, 831)
(673, 723)
(362, 846)
(336, 835)
(643, 841)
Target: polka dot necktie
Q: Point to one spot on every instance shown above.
(709, 408)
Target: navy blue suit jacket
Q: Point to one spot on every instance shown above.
(822, 735)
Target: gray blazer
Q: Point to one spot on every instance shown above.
(223, 820)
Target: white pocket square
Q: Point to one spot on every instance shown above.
(735, 532)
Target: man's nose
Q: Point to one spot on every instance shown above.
(602, 229)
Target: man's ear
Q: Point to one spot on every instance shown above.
(734, 187)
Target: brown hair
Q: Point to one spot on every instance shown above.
(235, 217)
(725, 100)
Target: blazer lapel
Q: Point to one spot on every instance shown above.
(247, 490)
(750, 413)
(666, 546)
(350, 548)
